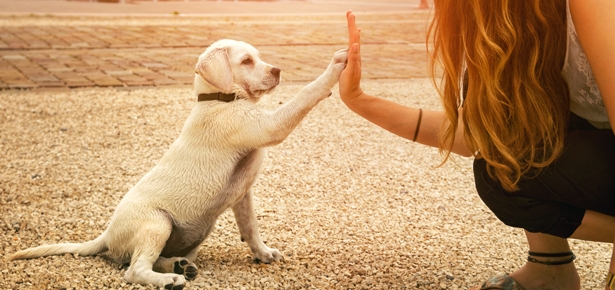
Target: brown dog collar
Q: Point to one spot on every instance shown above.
(217, 97)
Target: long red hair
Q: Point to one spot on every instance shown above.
(509, 54)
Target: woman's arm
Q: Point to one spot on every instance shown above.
(397, 119)
(595, 25)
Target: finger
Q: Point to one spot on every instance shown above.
(356, 47)
(353, 32)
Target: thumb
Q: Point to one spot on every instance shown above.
(350, 79)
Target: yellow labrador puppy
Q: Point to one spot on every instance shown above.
(161, 222)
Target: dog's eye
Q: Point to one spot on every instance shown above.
(247, 61)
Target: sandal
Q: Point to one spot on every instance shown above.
(502, 282)
(505, 282)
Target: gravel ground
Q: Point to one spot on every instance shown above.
(351, 206)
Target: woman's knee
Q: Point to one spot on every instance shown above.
(526, 210)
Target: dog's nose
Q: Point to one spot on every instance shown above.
(275, 72)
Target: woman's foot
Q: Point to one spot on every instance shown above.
(535, 276)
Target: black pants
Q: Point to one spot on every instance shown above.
(554, 202)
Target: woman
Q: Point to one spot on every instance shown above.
(528, 89)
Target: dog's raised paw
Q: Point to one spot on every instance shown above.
(186, 268)
(338, 63)
(340, 56)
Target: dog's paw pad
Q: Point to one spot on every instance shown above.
(184, 267)
(190, 272)
(178, 269)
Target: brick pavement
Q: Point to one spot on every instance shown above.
(47, 51)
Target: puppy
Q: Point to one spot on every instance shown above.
(160, 223)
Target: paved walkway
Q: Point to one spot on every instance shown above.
(101, 45)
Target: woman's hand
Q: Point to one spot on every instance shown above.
(350, 79)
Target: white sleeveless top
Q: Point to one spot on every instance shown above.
(585, 98)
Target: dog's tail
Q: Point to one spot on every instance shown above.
(92, 247)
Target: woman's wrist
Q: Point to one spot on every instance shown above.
(351, 96)
(355, 103)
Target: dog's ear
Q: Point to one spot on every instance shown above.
(215, 68)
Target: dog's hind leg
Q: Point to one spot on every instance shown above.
(178, 265)
(140, 272)
(248, 228)
(154, 234)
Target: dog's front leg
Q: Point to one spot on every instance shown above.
(290, 114)
(248, 228)
(276, 126)
(325, 82)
